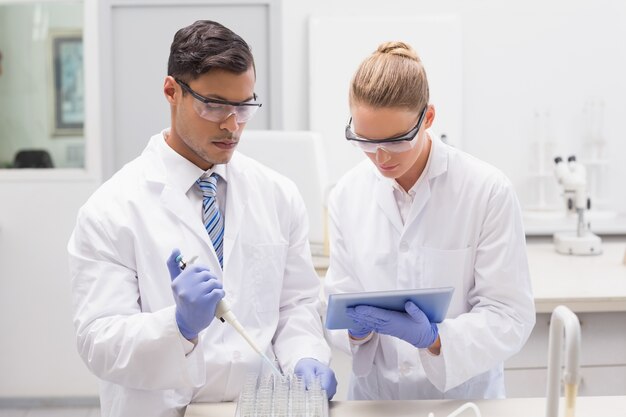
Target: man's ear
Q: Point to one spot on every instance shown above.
(171, 90)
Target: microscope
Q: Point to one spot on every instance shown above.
(572, 176)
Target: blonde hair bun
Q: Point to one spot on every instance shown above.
(398, 48)
(392, 76)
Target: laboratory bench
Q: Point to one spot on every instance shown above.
(613, 406)
(593, 287)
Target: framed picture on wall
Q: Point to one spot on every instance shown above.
(68, 98)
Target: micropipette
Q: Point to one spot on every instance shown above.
(224, 313)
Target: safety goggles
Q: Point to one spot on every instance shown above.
(395, 144)
(217, 111)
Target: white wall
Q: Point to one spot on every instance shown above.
(25, 91)
(518, 58)
(38, 349)
(38, 209)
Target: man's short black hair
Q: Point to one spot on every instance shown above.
(206, 45)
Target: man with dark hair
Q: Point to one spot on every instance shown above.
(145, 326)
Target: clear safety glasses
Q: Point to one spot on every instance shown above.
(395, 144)
(217, 111)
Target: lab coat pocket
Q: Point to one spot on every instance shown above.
(450, 268)
(265, 264)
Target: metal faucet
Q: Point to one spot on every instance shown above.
(563, 320)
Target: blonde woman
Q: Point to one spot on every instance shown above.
(419, 214)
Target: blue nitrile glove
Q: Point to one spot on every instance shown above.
(310, 368)
(196, 292)
(412, 326)
(358, 330)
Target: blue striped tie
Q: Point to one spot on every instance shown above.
(213, 220)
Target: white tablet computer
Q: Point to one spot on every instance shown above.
(433, 302)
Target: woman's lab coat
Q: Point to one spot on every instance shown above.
(464, 230)
(123, 303)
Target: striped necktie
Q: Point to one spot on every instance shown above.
(213, 220)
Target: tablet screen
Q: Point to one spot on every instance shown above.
(433, 302)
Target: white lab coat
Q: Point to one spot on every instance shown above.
(123, 303)
(464, 230)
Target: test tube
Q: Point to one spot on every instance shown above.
(281, 397)
(298, 396)
(245, 403)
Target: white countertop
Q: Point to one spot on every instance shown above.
(545, 223)
(583, 283)
(512, 407)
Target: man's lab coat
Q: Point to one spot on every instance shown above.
(463, 230)
(123, 303)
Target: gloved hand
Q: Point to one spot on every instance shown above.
(196, 292)
(310, 368)
(358, 330)
(412, 326)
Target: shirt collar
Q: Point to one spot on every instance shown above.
(181, 172)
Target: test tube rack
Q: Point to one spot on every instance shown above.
(287, 396)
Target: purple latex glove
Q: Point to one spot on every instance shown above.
(412, 326)
(309, 369)
(196, 292)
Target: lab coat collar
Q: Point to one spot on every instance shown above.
(182, 173)
(383, 194)
(164, 166)
(383, 191)
(162, 171)
(176, 175)
(236, 202)
(439, 154)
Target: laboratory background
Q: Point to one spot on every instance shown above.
(515, 84)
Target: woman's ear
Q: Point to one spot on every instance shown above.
(430, 116)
